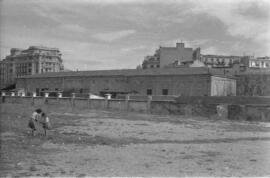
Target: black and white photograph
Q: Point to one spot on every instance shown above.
(134, 88)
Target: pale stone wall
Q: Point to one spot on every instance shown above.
(223, 86)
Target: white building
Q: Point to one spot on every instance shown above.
(34, 60)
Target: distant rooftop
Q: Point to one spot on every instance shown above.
(43, 47)
(214, 55)
(178, 45)
(17, 49)
(264, 58)
(18, 52)
(131, 72)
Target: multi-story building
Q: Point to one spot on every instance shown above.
(2, 74)
(152, 61)
(165, 56)
(217, 61)
(34, 60)
(256, 63)
(181, 57)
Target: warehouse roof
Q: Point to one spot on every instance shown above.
(256, 72)
(130, 72)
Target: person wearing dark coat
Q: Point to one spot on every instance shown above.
(33, 121)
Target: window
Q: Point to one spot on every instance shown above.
(152, 66)
(157, 66)
(149, 91)
(29, 70)
(257, 64)
(165, 91)
(37, 91)
(81, 90)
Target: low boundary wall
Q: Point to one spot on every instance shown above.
(240, 108)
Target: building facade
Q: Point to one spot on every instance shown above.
(162, 81)
(165, 56)
(256, 63)
(34, 60)
(220, 60)
(152, 61)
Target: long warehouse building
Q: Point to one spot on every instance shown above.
(160, 81)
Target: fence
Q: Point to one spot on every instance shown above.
(247, 108)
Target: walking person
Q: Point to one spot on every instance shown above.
(45, 121)
(33, 121)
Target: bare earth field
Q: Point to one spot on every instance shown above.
(104, 143)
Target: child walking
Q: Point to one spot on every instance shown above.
(33, 121)
(45, 121)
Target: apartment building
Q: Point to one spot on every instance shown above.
(166, 56)
(34, 60)
(220, 60)
(256, 63)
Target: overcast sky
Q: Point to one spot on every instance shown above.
(115, 34)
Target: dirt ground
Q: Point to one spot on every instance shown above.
(104, 143)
